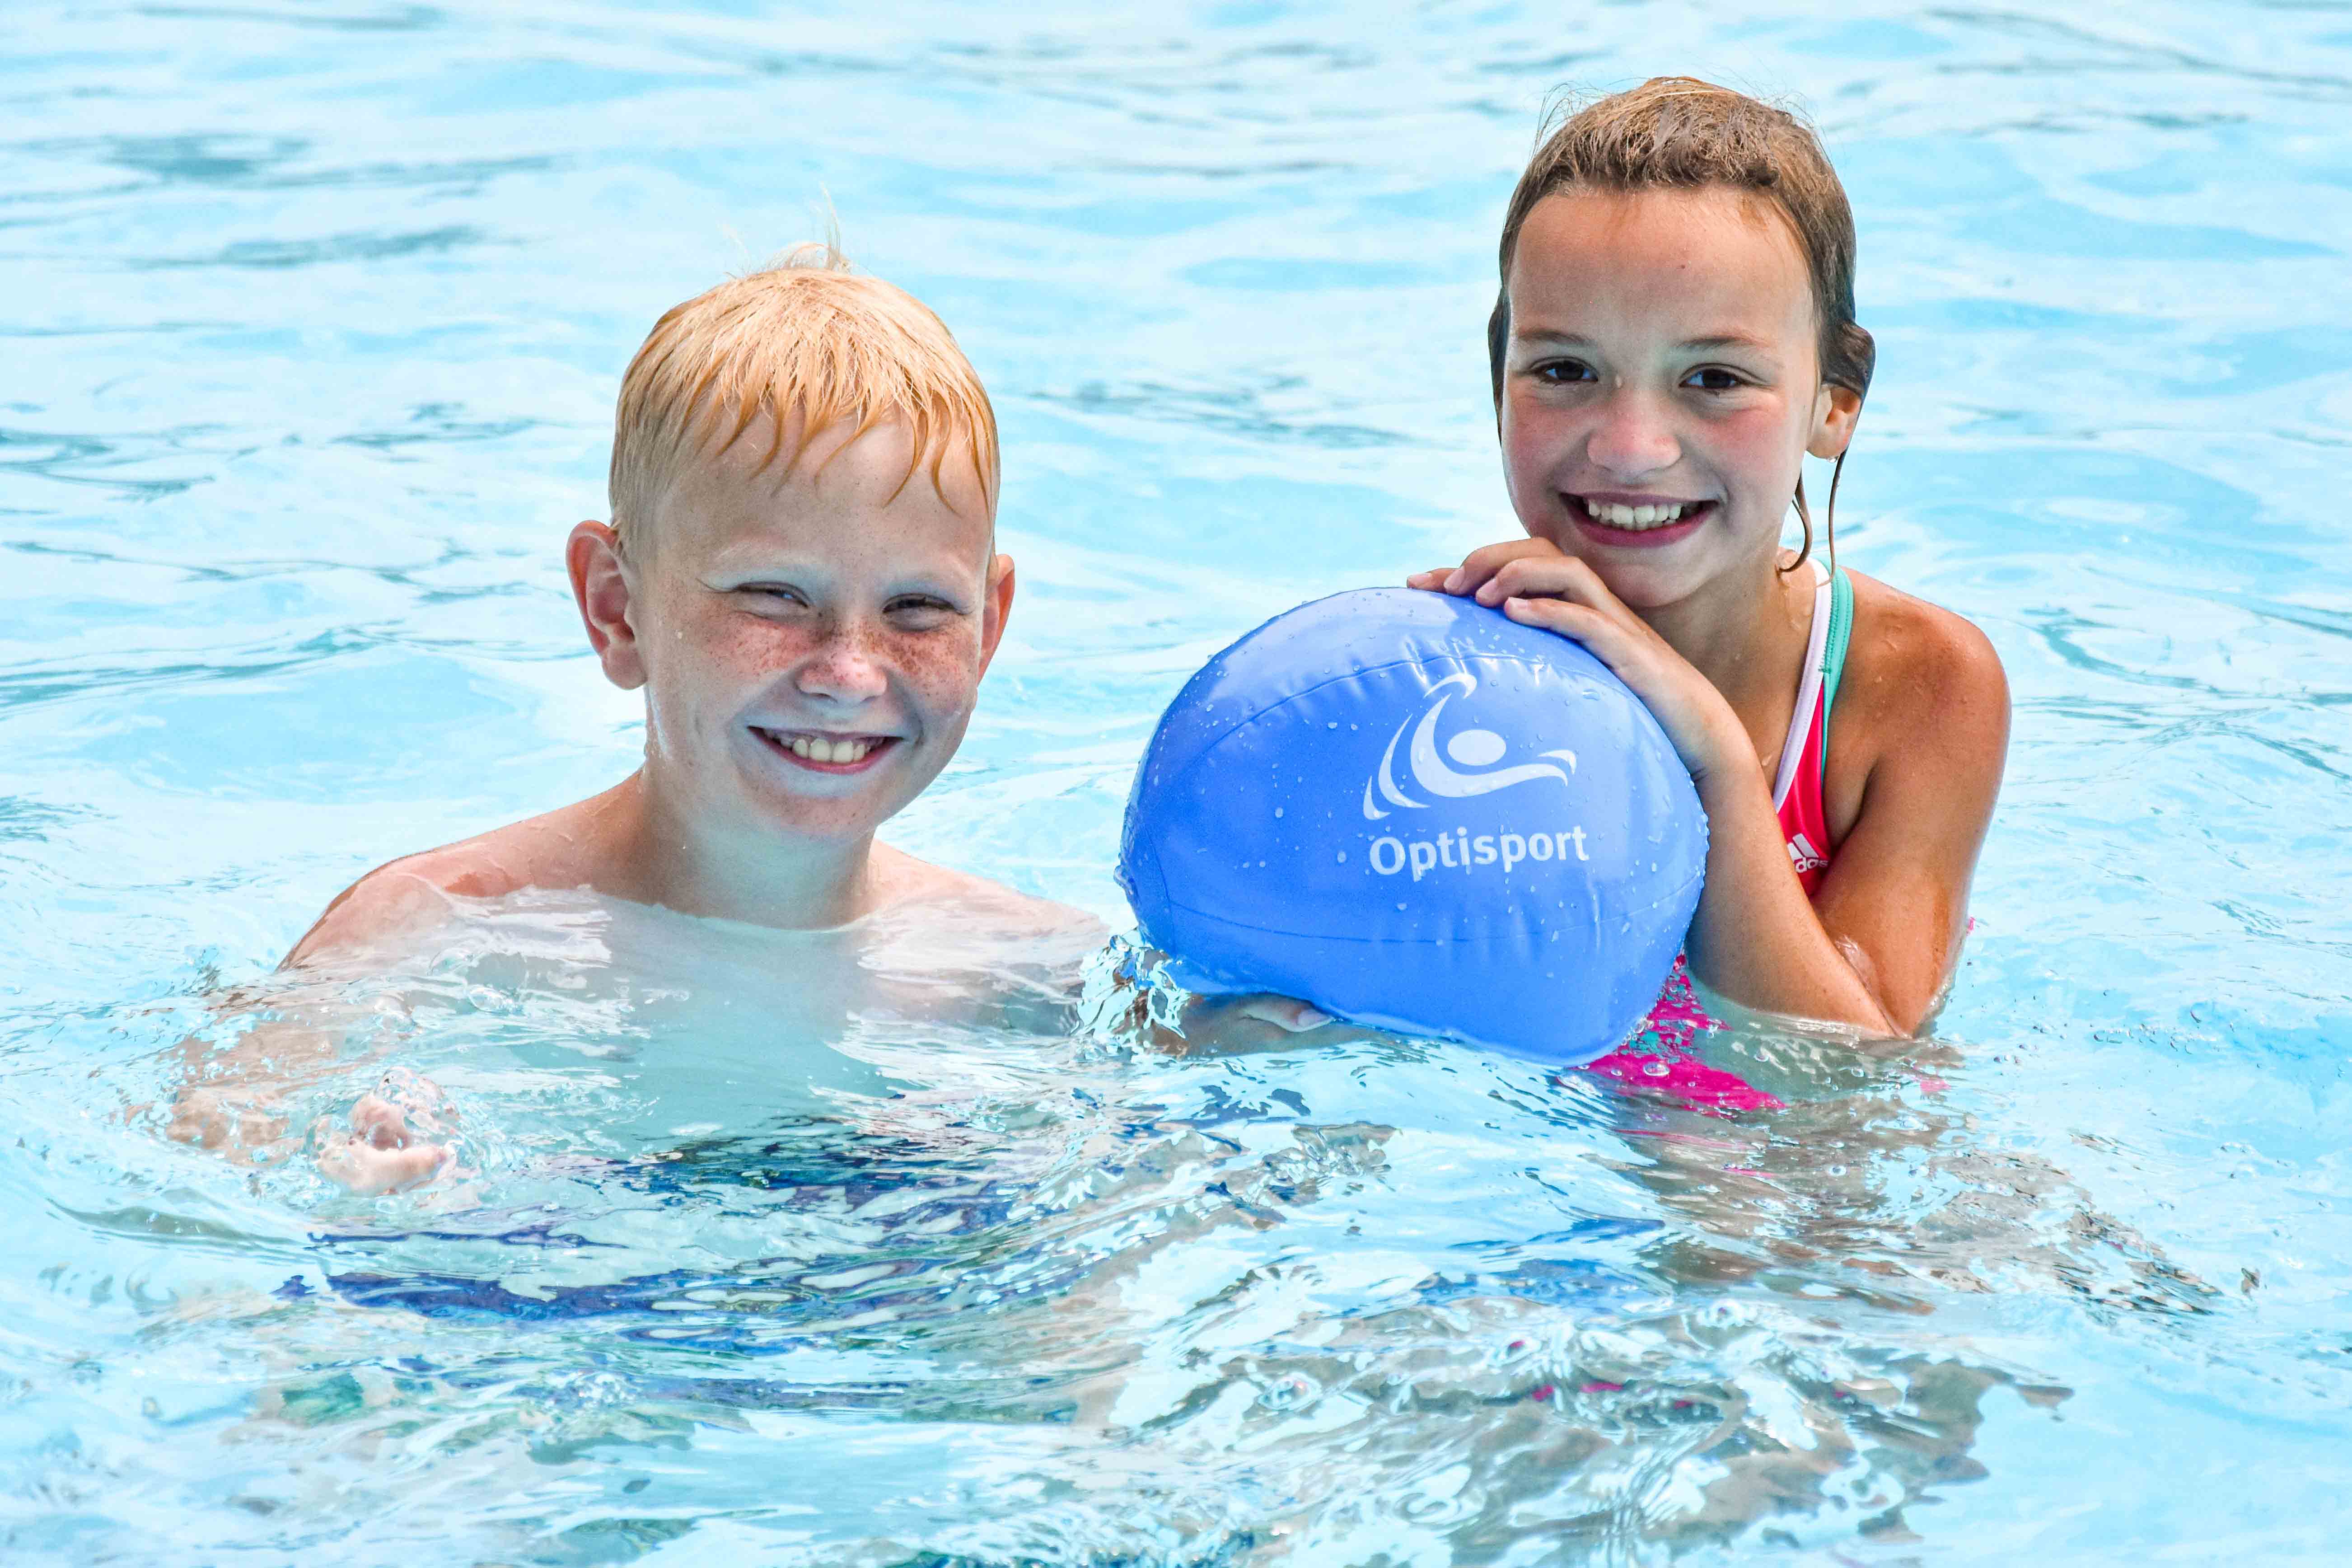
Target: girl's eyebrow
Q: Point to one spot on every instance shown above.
(1711, 341)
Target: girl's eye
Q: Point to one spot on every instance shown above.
(1714, 378)
(776, 593)
(1562, 371)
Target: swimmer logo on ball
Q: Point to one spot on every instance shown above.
(1475, 748)
(1418, 815)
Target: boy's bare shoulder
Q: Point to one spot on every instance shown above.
(412, 895)
(905, 881)
(1917, 676)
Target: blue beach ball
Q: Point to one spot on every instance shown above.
(1421, 815)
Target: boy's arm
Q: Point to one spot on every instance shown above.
(232, 1099)
(402, 899)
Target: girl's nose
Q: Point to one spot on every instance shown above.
(844, 669)
(1633, 437)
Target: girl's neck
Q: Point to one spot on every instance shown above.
(683, 861)
(1745, 632)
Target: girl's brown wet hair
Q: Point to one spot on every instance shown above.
(1676, 132)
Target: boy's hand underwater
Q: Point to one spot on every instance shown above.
(395, 1141)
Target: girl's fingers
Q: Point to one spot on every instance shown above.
(1696, 720)
(1480, 565)
(1561, 577)
(1285, 1013)
(1609, 642)
(1625, 650)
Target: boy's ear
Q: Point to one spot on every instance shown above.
(1835, 413)
(997, 608)
(600, 585)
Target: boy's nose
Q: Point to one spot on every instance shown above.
(844, 670)
(1633, 437)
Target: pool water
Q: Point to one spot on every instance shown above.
(314, 313)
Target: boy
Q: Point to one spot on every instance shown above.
(801, 573)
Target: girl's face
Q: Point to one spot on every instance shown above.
(1662, 384)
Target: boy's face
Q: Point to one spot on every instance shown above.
(810, 641)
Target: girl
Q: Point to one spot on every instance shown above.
(1675, 331)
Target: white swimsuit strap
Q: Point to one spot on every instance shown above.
(1809, 689)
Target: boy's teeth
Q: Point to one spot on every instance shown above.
(817, 749)
(1635, 517)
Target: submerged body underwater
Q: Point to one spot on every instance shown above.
(915, 1242)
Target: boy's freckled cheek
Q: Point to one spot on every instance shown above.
(755, 646)
(944, 669)
(727, 639)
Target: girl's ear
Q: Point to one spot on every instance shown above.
(1835, 413)
(600, 585)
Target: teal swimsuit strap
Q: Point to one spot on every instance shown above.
(1833, 648)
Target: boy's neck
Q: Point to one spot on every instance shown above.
(681, 862)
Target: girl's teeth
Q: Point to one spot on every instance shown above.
(817, 749)
(1635, 517)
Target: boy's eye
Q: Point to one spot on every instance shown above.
(780, 593)
(920, 612)
(1714, 378)
(1562, 371)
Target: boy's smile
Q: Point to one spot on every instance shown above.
(828, 754)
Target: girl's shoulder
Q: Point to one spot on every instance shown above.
(1922, 688)
(1903, 644)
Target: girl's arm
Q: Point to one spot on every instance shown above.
(1922, 722)
(1931, 714)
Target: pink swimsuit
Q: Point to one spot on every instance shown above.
(1658, 1057)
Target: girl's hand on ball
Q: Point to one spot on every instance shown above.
(1288, 1014)
(1285, 1013)
(1480, 565)
(1223, 1023)
(1536, 583)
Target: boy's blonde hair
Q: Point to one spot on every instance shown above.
(806, 337)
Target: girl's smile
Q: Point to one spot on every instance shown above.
(1636, 521)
